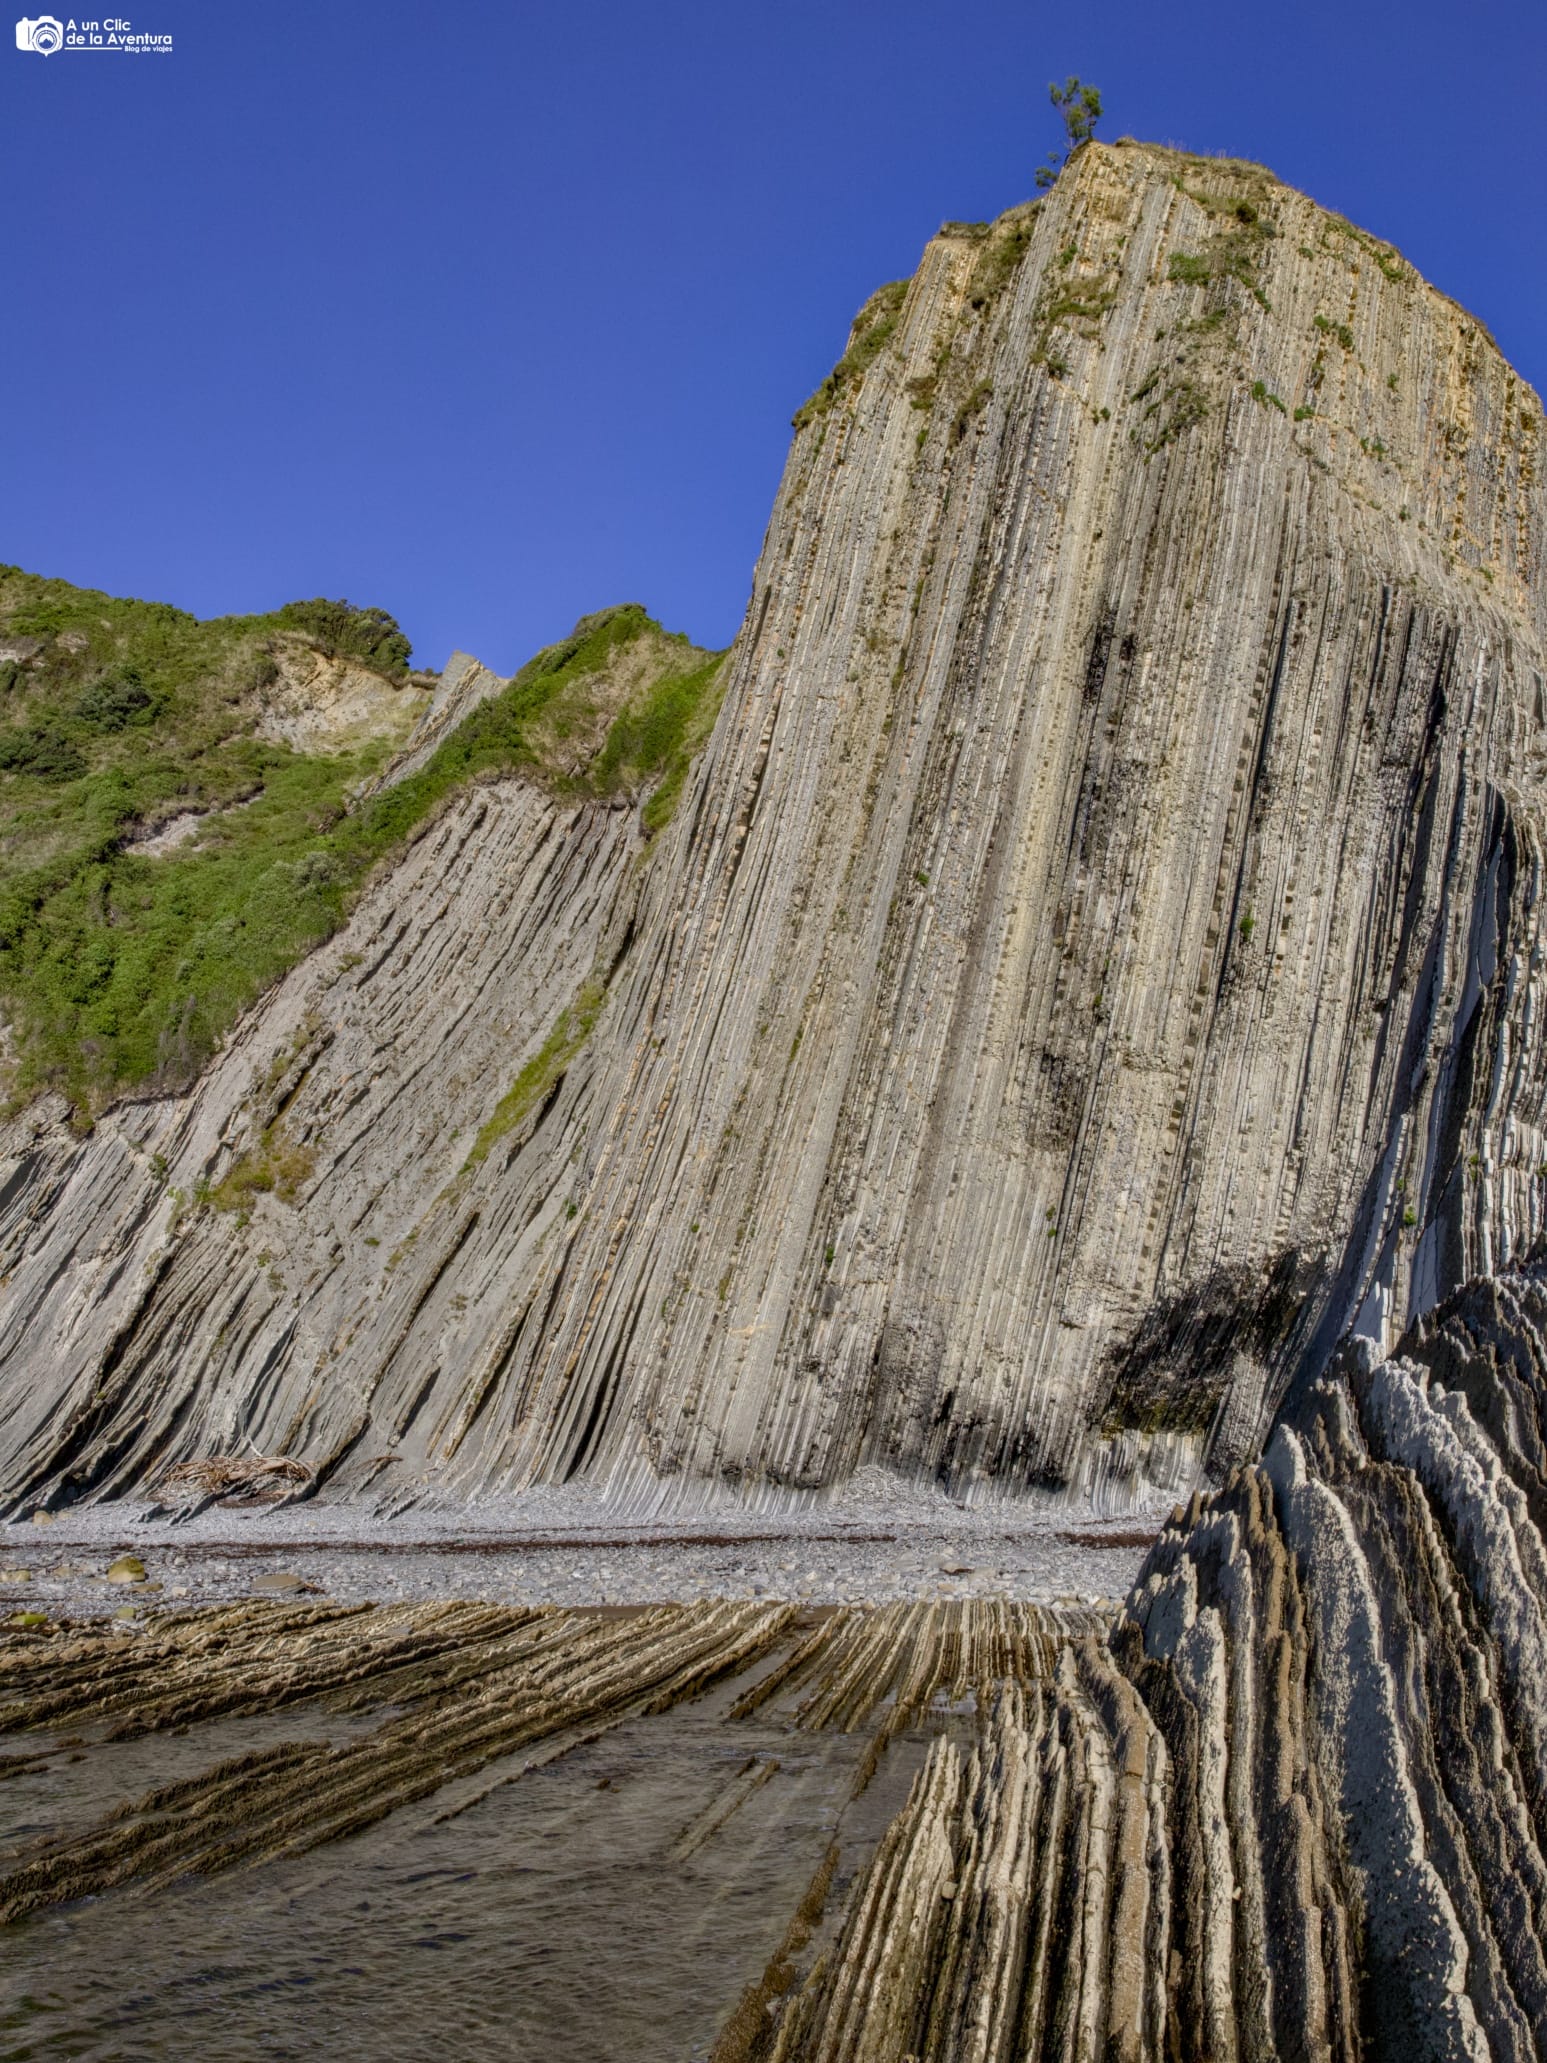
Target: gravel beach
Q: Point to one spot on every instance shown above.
(878, 1542)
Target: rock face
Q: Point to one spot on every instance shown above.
(318, 703)
(1290, 1800)
(1093, 965)
(213, 1233)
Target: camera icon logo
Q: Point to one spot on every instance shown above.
(45, 35)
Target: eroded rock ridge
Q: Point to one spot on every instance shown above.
(1289, 1800)
(1293, 1804)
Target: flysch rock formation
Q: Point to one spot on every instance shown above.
(463, 685)
(1290, 1801)
(1093, 964)
(1294, 1805)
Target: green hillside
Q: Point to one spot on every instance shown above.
(121, 968)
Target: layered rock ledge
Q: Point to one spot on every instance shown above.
(1289, 1800)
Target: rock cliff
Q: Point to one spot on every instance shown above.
(1093, 964)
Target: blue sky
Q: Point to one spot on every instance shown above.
(493, 314)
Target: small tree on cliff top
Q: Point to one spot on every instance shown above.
(1080, 107)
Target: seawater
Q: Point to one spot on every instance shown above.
(557, 1918)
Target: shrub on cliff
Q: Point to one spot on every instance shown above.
(115, 700)
(345, 632)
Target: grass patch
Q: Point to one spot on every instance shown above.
(275, 1166)
(654, 741)
(1190, 269)
(571, 1029)
(1232, 256)
(1179, 405)
(1000, 258)
(1074, 304)
(971, 407)
(118, 969)
(923, 391)
(1062, 303)
(1234, 251)
(1388, 260)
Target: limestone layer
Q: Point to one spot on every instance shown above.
(465, 1686)
(1094, 962)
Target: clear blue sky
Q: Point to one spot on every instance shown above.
(494, 314)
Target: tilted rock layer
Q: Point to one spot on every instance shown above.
(1092, 965)
(1288, 1801)
(1295, 1805)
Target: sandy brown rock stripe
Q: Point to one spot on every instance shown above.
(540, 1675)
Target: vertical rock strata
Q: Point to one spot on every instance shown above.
(1092, 965)
(1295, 1804)
(246, 1263)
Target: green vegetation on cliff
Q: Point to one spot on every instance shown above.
(646, 696)
(873, 330)
(122, 966)
(655, 738)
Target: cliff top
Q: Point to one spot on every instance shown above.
(1250, 294)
